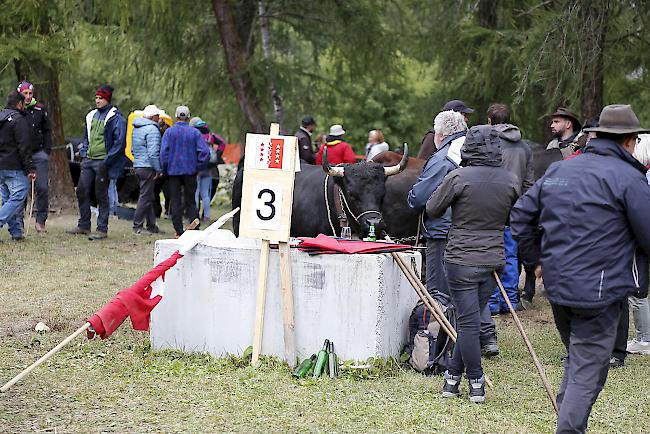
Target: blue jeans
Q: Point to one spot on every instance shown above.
(112, 197)
(509, 277)
(14, 185)
(470, 288)
(203, 193)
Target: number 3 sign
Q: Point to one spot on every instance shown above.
(267, 196)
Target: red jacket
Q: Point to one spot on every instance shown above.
(338, 151)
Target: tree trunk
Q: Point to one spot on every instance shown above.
(487, 13)
(591, 93)
(266, 49)
(46, 83)
(236, 57)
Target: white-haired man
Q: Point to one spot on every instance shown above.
(449, 135)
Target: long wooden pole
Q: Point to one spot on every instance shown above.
(430, 303)
(531, 350)
(287, 304)
(49, 354)
(261, 302)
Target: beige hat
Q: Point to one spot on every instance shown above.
(150, 111)
(618, 119)
(336, 130)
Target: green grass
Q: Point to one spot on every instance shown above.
(120, 385)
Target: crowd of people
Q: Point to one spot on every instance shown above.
(185, 154)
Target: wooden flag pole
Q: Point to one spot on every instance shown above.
(287, 305)
(261, 302)
(538, 365)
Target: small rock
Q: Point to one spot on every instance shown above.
(41, 327)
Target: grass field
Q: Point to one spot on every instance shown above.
(120, 385)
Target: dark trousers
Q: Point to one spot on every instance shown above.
(436, 280)
(41, 189)
(622, 329)
(145, 208)
(93, 170)
(589, 336)
(470, 288)
(182, 201)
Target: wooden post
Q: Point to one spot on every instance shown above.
(261, 301)
(287, 305)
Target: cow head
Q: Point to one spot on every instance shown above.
(364, 186)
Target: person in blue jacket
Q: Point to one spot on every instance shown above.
(586, 221)
(102, 154)
(449, 129)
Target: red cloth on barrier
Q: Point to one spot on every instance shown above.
(326, 244)
(134, 302)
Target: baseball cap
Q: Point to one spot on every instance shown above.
(150, 111)
(457, 106)
(182, 111)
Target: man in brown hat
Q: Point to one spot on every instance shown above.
(586, 221)
(565, 127)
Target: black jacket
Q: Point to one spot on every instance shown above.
(585, 220)
(305, 149)
(15, 141)
(41, 132)
(480, 195)
(517, 156)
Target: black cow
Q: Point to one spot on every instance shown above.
(363, 188)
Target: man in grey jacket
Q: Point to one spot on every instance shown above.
(145, 147)
(518, 159)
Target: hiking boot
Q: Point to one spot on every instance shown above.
(98, 235)
(77, 231)
(477, 390)
(140, 231)
(490, 349)
(40, 227)
(615, 362)
(638, 347)
(526, 304)
(451, 388)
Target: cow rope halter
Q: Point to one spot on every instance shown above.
(342, 205)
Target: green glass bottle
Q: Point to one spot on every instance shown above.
(372, 236)
(333, 362)
(303, 369)
(321, 360)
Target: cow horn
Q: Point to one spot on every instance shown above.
(394, 170)
(331, 171)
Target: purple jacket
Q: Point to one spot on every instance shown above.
(183, 151)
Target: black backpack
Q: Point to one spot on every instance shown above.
(429, 348)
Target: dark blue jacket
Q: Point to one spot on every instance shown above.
(183, 151)
(433, 172)
(588, 221)
(114, 140)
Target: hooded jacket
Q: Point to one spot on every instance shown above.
(584, 220)
(15, 141)
(41, 134)
(338, 151)
(516, 154)
(446, 159)
(480, 195)
(145, 144)
(114, 139)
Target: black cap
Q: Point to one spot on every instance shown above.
(308, 120)
(457, 106)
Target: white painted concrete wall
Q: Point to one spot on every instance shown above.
(361, 302)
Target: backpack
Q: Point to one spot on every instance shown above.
(429, 348)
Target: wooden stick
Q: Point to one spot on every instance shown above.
(49, 354)
(261, 300)
(287, 304)
(538, 365)
(31, 208)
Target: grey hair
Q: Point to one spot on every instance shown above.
(642, 150)
(449, 122)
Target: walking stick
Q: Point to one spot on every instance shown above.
(31, 208)
(538, 365)
(431, 304)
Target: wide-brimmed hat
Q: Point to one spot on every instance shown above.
(618, 119)
(566, 113)
(336, 130)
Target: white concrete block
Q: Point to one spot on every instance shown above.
(361, 302)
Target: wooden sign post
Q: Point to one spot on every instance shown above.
(267, 198)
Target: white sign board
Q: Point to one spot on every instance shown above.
(267, 194)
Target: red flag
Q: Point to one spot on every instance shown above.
(134, 301)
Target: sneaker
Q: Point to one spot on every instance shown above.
(638, 347)
(615, 362)
(98, 235)
(40, 227)
(77, 230)
(140, 231)
(490, 349)
(477, 390)
(451, 388)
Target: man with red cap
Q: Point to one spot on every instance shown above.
(102, 153)
(41, 145)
